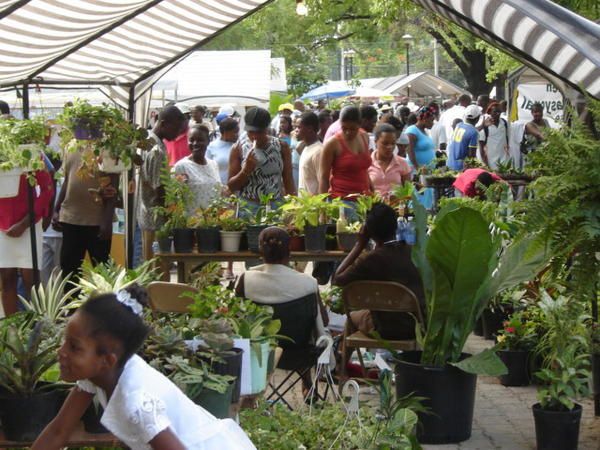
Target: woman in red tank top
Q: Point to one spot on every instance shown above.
(345, 158)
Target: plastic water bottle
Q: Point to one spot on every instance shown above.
(400, 231)
(410, 233)
(155, 248)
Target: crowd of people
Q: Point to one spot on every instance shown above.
(358, 150)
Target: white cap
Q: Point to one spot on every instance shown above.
(472, 112)
(183, 107)
(227, 109)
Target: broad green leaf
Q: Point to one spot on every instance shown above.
(484, 363)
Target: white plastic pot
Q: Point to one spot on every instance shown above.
(230, 241)
(109, 164)
(9, 182)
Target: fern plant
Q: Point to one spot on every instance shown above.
(565, 206)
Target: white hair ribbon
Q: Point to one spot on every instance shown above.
(125, 298)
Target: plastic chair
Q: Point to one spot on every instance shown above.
(168, 297)
(377, 297)
(299, 356)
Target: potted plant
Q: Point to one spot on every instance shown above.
(218, 352)
(108, 141)
(515, 342)
(347, 235)
(311, 214)
(565, 377)
(165, 239)
(495, 314)
(51, 302)
(21, 143)
(210, 390)
(259, 219)
(206, 224)
(459, 276)
(232, 229)
(173, 213)
(28, 352)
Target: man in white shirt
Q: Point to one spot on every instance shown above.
(438, 132)
(456, 112)
(311, 154)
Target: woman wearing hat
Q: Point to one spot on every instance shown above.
(260, 164)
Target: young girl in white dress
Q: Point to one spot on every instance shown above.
(142, 407)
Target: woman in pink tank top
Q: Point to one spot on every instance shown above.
(345, 158)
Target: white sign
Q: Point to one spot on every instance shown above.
(546, 94)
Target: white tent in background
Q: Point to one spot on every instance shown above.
(418, 84)
(214, 78)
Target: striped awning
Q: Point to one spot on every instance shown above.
(120, 44)
(550, 39)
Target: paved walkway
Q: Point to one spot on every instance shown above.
(502, 419)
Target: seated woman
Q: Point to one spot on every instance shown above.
(390, 260)
(274, 281)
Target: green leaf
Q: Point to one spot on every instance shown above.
(484, 363)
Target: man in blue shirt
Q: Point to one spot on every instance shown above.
(465, 139)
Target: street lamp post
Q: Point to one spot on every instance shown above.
(407, 38)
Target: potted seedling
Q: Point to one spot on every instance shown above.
(27, 352)
(565, 377)
(173, 214)
(21, 143)
(515, 341)
(460, 275)
(164, 238)
(206, 224)
(259, 219)
(311, 213)
(218, 352)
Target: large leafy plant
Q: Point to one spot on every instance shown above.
(53, 300)
(463, 265)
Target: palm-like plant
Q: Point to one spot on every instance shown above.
(27, 353)
(51, 302)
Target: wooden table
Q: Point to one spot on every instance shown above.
(185, 261)
(79, 438)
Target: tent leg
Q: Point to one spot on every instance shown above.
(25, 101)
(128, 202)
(33, 237)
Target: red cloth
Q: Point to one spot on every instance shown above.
(13, 209)
(349, 171)
(465, 182)
(177, 149)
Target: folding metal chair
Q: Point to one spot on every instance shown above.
(377, 297)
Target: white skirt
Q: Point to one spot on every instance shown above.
(16, 252)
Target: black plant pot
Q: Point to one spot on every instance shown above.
(208, 239)
(231, 365)
(91, 419)
(492, 322)
(596, 382)
(450, 394)
(183, 240)
(346, 241)
(252, 232)
(517, 362)
(556, 430)
(165, 244)
(478, 330)
(315, 238)
(24, 418)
